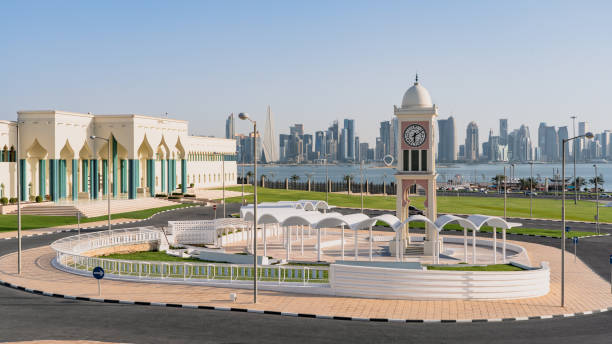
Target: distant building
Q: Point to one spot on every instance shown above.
(230, 129)
(503, 131)
(349, 126)
(447, 144)
(471, 143)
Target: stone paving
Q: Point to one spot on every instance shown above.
(585, 291)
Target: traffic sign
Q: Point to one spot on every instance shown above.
(611, 259)
(98, 273)
(575, 240)
(567, 228)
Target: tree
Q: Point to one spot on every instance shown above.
(599, 180)
(527, 183)
(249, 174)
(579, 182)
(294, 178)
(347, 178)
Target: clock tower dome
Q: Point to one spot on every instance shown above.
(416, 165)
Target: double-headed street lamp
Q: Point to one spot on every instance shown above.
(531, 191)
(588, 135)
(108, 191)
(245, 116)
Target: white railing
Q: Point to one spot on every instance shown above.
(204, 231)
(70, 257)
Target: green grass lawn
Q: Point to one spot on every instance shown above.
(516, 207)
(9, 222)
(493, 267)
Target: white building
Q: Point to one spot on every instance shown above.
(149, 155)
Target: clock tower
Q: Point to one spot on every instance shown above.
(416, 165)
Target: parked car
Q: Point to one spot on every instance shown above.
(603, 195)
(414, 211)
(529, 193)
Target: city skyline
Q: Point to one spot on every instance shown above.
(481, 61)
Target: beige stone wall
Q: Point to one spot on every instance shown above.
(122, 249)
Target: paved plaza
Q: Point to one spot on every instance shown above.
(585, 291)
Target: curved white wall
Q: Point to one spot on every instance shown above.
(390, 283)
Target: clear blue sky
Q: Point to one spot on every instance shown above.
(311, 61)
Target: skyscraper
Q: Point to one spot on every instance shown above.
(349, 125)
(447, 144)
(563, 135)
(342, 145)
(320, 143)
(503, 131)
(230, 130)
(385, 135)
(471, 142)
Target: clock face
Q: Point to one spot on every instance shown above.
(414, 135)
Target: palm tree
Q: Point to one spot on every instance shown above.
(526, 183)
(249, 174)
(599, 180)
(579, 182)
(294, 178)
(347, 178)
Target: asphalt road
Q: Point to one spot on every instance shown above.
(25, 316)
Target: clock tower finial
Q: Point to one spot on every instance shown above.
(416, 79)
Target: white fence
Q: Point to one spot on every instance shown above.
(204, 231)
(391, 283)
(69, 257)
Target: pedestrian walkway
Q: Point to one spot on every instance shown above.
(91, 208)
(585, 292)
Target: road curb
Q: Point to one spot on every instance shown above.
(302, 315)
(101, 226)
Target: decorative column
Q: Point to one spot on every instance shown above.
(95, 182)
(163, 175)
(85, 175)
(137, 176)
(151, 176)
(115, 163)
(124, 176)
(132, 178)
(62, 178)
(53, 177)
(42, 178)
(183, 175)
(75, 179)
(22, 179)
(104, 176)
(170, 188)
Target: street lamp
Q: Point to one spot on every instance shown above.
(242, 156)
(108, 191)
(17, 158)
(326, 181)
(531, 191)
(361, 183)
(596, 201)
(223, 187)
(245, 116)
(505, 192)
(574, 155)
(588, 135)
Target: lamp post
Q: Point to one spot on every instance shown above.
(108, 192)
(574, 155)
(596, 201)
(326, 181)
(245, 116)
(361, 183)
(531, 191)
(505, 192)
(565, 141)
(223, 192)
(242, 156)
(18, 202)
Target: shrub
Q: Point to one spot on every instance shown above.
(31, 198)
(191, 185)
(174, 197)
(160, 195)
(177, 194)
(189, 195)
(38, 199)
(180, 186)
(4, 200)
(12, 200)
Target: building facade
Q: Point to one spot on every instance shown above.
(59, 160)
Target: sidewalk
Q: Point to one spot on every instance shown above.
(63, 228)
(585, 292)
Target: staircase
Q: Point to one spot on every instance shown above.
(414, 250)
(92, 208)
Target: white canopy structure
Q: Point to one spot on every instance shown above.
(304, 213)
